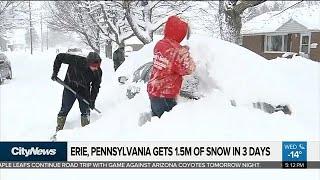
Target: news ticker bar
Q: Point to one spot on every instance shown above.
(264, 154)
(161, 165)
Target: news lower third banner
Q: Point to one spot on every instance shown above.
(161, 154)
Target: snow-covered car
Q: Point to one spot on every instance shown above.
(76, 51)
(142, 74)
(5, 68)
(236, 72)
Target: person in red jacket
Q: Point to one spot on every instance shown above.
(170, 63)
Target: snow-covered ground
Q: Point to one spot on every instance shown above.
(30, 102)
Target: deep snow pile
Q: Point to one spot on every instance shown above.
(31, 101)
(247, 77)
(226, 72)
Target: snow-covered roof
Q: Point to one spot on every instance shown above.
(308, 17)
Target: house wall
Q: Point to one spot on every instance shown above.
(295, 40)
(315, 52)
(256, 44)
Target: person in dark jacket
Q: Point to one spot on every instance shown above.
(118, 57)
(84, 77)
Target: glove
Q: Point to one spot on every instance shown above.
(183, 53)
(192, 65)
(54, 76)
(184, 50)
(92, 106)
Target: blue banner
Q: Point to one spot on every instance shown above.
(33, 151)
(294, 151)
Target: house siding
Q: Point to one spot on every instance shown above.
(295, 40)
(291, 26)
(254, 43)
(315, 52)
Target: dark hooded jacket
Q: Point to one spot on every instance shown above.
(79, 76)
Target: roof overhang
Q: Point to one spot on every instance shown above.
(277, 33)
(282, 30)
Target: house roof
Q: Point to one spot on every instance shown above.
(306, 17)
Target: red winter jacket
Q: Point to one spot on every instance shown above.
(171, 61)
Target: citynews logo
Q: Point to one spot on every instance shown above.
(36, 151)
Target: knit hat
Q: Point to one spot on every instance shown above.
(93, 57)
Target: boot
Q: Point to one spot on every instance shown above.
(284, 108)
(144, 117)
(85, 120)
(61, 120)
(287, 110)
(268, 108)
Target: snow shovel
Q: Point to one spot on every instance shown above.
(74, 92)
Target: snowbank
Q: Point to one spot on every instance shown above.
(247, 77)
(226, 71)
(31, 101)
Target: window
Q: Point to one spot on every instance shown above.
(276, 43)
(304, 44)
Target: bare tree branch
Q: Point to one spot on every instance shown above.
(287, 8)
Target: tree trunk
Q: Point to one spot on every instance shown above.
(233, 13)
(41, 34)
(98, 40)
(234, 24)
(147, 18)
(30, 26)
(221, 19)
(108, 49)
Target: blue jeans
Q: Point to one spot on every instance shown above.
(68, 99)
(160, 105)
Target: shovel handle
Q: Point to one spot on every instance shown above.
(74, 92)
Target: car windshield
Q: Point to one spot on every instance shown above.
(142, 73)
